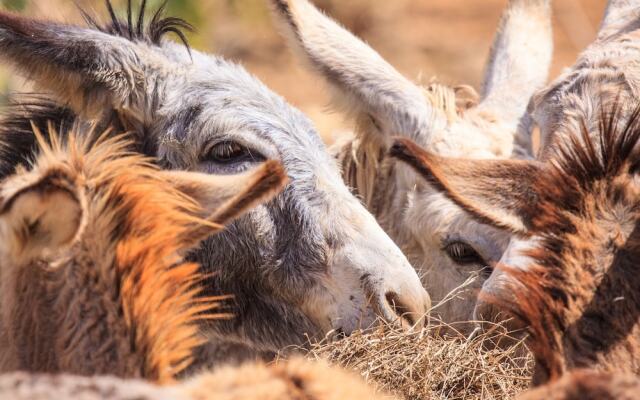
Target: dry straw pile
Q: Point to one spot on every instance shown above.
(426, 365)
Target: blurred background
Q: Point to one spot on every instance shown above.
(445, 39)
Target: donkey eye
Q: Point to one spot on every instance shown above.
(229, 157)
(227, 152)
(463, 254)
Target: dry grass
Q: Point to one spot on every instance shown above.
(429, 365)
(437, 362)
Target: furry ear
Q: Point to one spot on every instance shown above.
(38, 213)
(370, 86)
(620, 16)
(496, 192)
(85, 68)
(226, 197)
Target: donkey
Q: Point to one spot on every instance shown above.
(92, 279)
(443, 243)
(573, 281)
(309, 262)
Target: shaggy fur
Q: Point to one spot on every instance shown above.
(605, 74)
(578, 296)
(588, 385)
(383, 104)
(606, 77)
(310, 262)
(105, 289)
(292, 380)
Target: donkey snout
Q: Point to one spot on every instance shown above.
(391, 286)
(399, 301)
(407, 309)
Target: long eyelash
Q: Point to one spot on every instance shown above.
(460, 251)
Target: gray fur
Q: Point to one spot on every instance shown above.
(606, 72)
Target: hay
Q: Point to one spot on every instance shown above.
(426, 365)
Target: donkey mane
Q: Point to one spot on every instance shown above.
(159, 294)
(152, 33)
(584, 169)
(577, 166)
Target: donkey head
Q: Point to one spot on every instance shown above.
(569, 273)
(604, 76)
(310, 261)
(441, 241)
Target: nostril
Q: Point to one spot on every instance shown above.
(402, 310)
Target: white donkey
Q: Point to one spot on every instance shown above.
(440, 239)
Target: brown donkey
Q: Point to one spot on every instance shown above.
(92, 279)
(571, 278)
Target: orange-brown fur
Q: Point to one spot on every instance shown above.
(588, 385)
(118, 299)
(149, 297)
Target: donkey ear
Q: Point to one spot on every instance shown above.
(226, 197)
(370, 86)
(496, 192)
(519, 60)
(38, 213)
(83, 67)
(620, 16)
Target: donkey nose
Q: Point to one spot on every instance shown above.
(407, 309)
(489, 317)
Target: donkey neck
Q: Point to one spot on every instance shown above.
(596, 290)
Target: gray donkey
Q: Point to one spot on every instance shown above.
(311, 261)
(442, 241)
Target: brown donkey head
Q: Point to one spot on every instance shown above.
(569, 273)
(93, 238)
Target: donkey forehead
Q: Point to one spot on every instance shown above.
(473, 136)
(214, 98)
(434, 218)
(516, 253)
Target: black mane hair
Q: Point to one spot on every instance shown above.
(138, 30)
(585, 159)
